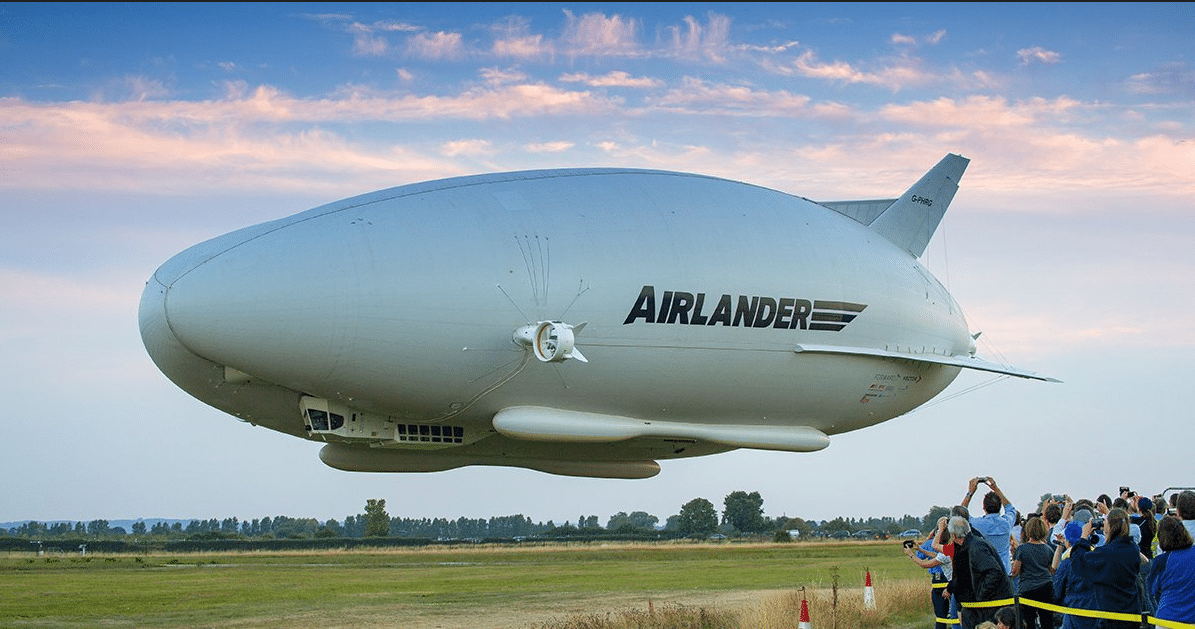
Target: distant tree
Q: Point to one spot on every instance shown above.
(619, 521)
(636, 521)
(30, 529)
(138, 528)
(294, 528)
(377, 521)
(644, 520)
(930, 521)
(697, 517)
(744, 511)
(96, 528)
(354, 526)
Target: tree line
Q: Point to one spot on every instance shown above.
(742, 514)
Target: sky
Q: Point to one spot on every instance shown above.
(129, 132)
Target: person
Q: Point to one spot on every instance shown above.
(1085, 511)
(1105, 500)
(1006, 618)
(1031, 567)
(996, 527)
(1184, 505)
(931, 555)
(1070, 590)
(1160, 507)
(1172, 573)
(1141, 513)
(1112, 569)
(1052, 514)
(938, 564)
(1134, 527)
(978, 574)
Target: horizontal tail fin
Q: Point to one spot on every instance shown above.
(967, 362)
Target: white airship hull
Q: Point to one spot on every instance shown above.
(712, 310)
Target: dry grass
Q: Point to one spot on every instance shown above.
(898, 604)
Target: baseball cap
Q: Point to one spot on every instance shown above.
(1073, 532)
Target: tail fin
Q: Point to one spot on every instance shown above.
(912, 219)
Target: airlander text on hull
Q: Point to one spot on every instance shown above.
(786, 313)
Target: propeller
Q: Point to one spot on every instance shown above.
(551, 341)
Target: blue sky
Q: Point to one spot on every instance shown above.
(131, 131)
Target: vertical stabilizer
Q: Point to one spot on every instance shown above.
(911, 221)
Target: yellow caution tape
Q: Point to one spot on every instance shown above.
(1089, 613)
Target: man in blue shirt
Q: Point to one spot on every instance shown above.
(994, 526)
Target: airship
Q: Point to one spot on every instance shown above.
(584, 322)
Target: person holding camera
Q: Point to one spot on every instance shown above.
(1071, 590)
(1112, 569)
(994, 526)
(933, 557)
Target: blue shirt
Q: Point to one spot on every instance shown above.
(1112, 570)
(927, 552)
(996, 528)
(1172, 587)
(1072, 591)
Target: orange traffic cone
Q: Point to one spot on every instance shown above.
(804, 622)
(869, 597)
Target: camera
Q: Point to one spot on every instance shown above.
(1097, 522)
(1059, 498)
(1125, 490)
(909, 543)
(982, 479)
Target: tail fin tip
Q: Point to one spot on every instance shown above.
(911, 221)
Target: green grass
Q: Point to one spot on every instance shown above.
(420, 587)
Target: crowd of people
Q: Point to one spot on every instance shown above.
(1120, 560)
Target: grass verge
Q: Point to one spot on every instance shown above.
(714, 585)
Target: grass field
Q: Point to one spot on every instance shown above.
(499, 587)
